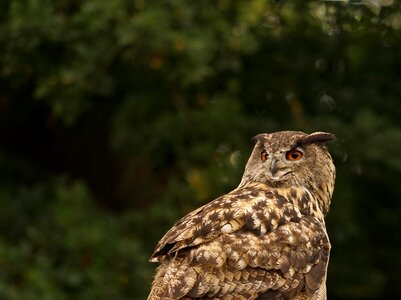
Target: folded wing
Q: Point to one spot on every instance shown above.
(253, 241)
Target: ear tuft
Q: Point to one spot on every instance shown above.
(317, 137)
(258, 138)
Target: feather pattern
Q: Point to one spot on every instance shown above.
(253, 239)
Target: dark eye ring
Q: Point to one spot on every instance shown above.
(294, 154)
(264, 155)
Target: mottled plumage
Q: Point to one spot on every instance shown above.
(264, 240)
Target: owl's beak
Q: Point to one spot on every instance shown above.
(273, 166)
(277, 169)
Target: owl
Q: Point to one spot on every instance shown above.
(266, 239)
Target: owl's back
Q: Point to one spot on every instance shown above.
(256, 242)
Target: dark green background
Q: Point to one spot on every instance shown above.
(118, 117)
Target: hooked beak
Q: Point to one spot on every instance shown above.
(273, 166)
(277, 169)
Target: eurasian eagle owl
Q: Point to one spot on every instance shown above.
(264, 240)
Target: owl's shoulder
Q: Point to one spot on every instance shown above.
(256, 208)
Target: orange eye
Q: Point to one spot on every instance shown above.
(264, 155)
(294, 155)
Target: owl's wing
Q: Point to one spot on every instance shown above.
(225, 214)
(249, 242)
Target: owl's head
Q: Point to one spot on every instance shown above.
(292, 158)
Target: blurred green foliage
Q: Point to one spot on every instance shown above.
(57, 245)
(118, 117)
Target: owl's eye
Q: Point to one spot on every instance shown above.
(264, 155)
(294, 154)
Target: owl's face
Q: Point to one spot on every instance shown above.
(290, 158)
